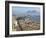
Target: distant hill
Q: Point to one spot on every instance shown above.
(34, 18)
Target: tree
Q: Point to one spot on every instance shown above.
(20, 18)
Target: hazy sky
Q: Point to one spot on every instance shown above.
(18, 11)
